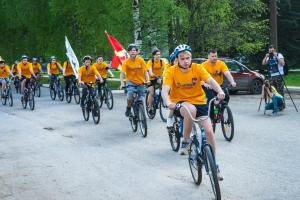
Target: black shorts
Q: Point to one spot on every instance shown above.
(202, 110)
(153, 83)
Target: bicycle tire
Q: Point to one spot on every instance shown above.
(174, 136)
(229, 123)
(52, 94)
(163, 110)
(76, 93)
(3, 99)
(212, 171)
(133, 123)
(142, 120)
(38, 90)
(69, 94)
(96, 112)
(86, 111)
(31, 101)
(101, 98)
(148, 109)
(195, 164)
(60, 93)
(10, 99)
(109, 99)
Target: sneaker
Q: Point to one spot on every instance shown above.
(220, 177)
(184, 147)
(128, 112)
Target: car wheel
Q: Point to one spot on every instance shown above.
(256, 86)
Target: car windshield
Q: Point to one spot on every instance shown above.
(233, 66)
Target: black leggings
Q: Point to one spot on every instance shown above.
(69, 80)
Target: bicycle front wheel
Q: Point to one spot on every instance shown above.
(195, 164)
(52, 94)
(38, 90)
(3, 97)
(69, 95)
(86, 111)
(227, 123)
(76, 94)
(109, 99)
(142, 120)
(211, 169)
(96, 112)
(61, 93)
(31, 100)
(10, 99)
(163, 110)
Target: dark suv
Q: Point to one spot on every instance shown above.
(246, 79)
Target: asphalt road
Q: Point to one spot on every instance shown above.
(51, 153)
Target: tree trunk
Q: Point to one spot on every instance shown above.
(137, 23)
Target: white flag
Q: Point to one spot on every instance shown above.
(72, 57)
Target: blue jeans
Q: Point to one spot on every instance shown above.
(131, 88)
(276, 100)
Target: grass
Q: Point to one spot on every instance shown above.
(293, 78)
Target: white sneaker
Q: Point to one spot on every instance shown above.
(170, 121)
(184, 147)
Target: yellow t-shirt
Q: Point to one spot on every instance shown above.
(186, 86)
(166, 68)
(14, 69)
(135, 70)
(37, 68)
(25, 69)
(157, 67)
(102, 68)
(217, 70)
(88, 75)
(54, 68)
(68, 68)
(4, 71)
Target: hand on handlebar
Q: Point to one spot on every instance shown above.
(221, 95)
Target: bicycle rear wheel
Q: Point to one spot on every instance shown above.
(151, 111)
(163, 110)
(142, 120)
(76, 94)
(31, 100)
(211, 169)
(195, 164)
(109, 99)
(227, 123)
(96, 112)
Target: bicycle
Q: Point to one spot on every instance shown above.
(7, 97)
(223, 114)
(138, 116)
(91, 105)
(105, 96)
(176, 132)
(200, 154)
(73, 90)
(36, 87)
(158, 103)
(57, 88)
(28, 96)
(17, 84)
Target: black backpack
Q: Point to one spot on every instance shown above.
(285, 68)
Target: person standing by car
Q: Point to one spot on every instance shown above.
(217, 69)
(275, 62)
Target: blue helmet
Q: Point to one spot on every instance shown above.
(180, 48)
(172, 57)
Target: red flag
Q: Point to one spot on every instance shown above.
(119, 52)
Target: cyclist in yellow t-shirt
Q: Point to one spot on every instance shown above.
(68, 74)
(37, 68)
(136, 72)
(217, 69)
(182, 83)
(155, 67)
(25, 71)
(103, 69)
(4, 75)
(53, 68)
(87, 75)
